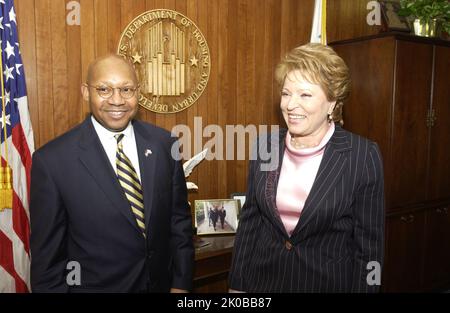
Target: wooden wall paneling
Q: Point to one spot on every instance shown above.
(101, 27)
(182, 118)
(74, 101)
(231, 111)
(267, 64)
(241, 90)
(207, 181)
(202, 173)
(224, 90)
(87, 32)
(44, 71)
(347, 19)
(59, 65)
(27, 37)
(246, 79)
(304, 13)
(274, 109)
(190, 8)
(286, 29)
(250, 67)
(261, 67)
(114, 23)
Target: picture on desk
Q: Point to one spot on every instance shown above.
(216, 216)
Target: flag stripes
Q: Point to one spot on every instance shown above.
(16, 124)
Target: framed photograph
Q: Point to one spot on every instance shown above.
(241, 200)
(216, 216)
(391, 19)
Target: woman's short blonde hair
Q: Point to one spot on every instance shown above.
(320, 65)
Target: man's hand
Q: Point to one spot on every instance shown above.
(176, 290)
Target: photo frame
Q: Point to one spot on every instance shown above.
(391, 20)
(216, 216)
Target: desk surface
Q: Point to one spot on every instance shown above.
(217, 245)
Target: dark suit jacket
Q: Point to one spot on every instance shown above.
(79, 213)
(339, 231)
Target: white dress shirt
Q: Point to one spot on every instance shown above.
(109, 144)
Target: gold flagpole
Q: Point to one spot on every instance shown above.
(6, 192)
(323, 38)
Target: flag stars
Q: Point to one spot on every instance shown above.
(5, 120)
(8, 72)
(7, 97)
(9, 50)
(18, 66)
(12, 15)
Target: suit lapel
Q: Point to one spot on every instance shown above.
(94, 158)
(330, 171)
(147, 153)
(272, 178)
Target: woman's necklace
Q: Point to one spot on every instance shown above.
(299, 145)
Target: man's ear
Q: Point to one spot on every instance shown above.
(85, 92)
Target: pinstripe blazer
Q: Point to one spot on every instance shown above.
(340, 230)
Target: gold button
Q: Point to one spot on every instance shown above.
(288, 245)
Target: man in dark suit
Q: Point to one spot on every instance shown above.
(109, 196)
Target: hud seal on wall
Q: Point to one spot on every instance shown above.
(171, 58)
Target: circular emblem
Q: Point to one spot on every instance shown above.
(171, 58)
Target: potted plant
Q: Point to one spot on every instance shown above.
(430, 16)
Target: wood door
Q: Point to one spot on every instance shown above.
(367, 111)
(404, 251)
(409, 129)
(437, 249)
(439, 183)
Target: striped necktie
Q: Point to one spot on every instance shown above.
(130, 183)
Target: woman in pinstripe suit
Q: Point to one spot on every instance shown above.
(314, 222)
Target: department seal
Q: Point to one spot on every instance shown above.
(171, 58)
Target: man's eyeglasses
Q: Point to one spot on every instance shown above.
(106, 92)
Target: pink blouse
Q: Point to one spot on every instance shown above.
(298, 172)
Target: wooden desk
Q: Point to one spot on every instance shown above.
(212, 264)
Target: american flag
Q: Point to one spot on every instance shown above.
(319, 26)
(14, 222)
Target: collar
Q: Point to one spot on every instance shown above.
(312, 150)
(106, 133)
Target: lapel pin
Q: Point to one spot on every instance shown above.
(148, 152)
